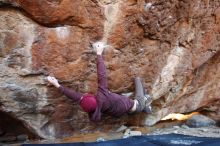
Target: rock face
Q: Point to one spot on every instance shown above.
(173, 45)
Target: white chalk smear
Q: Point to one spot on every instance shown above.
(147, 6)
(62, 32)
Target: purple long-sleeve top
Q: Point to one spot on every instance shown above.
(108, 102)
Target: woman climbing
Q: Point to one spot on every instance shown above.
(105, 101)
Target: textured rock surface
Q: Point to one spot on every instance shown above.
(200, 121)
(173, 45)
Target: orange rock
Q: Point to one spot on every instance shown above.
(173, 46)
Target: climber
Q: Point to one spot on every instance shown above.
(105, 101)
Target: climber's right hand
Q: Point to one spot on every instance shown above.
(99, 47)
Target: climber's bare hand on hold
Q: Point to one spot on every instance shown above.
(53, 81)
(99, 47)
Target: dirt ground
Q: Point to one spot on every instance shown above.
(167, 127)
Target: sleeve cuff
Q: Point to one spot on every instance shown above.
(61, 88)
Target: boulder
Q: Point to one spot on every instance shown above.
(197, 121)
(173, 45)
(22, 137)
